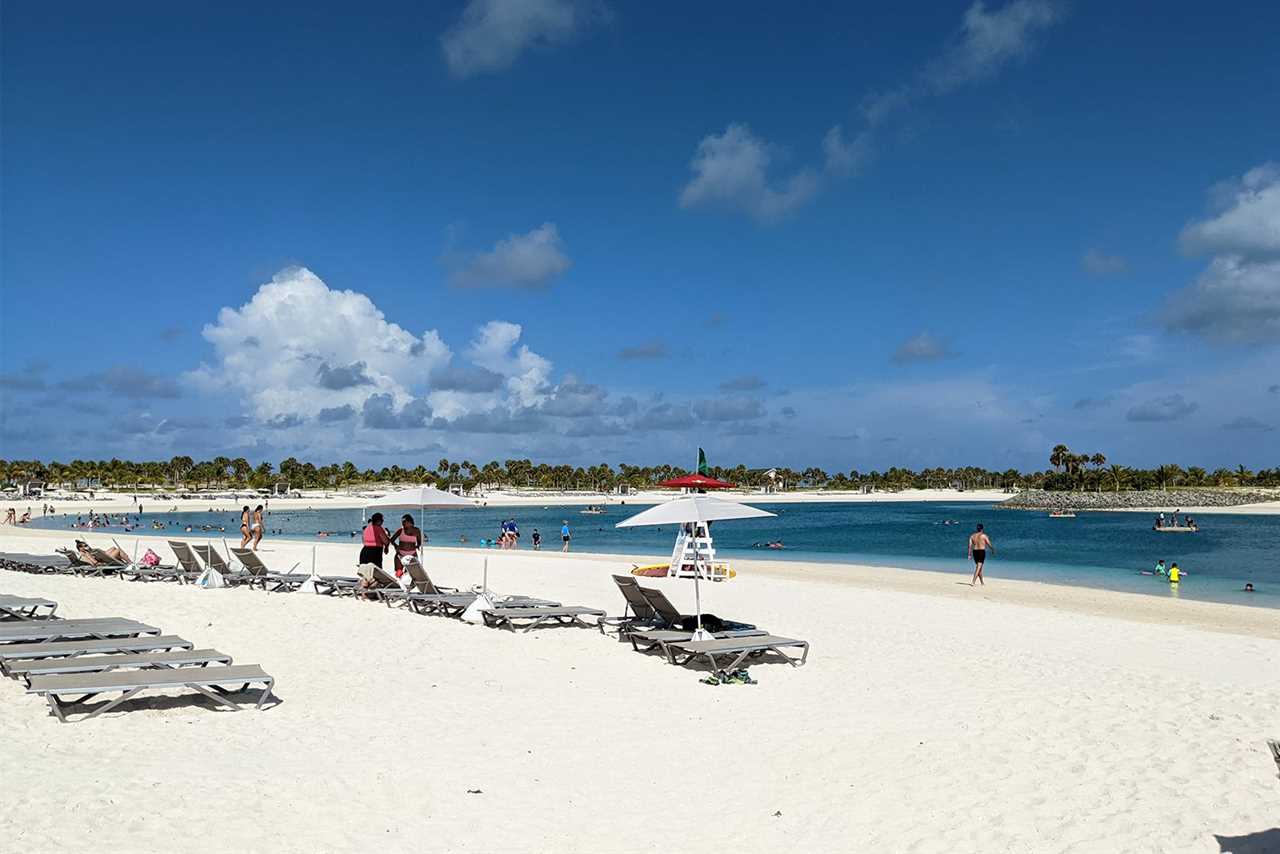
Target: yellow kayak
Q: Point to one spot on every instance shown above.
(662, 570)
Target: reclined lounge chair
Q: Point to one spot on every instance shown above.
(187, 563)
(261, 575)
(66, 691)
(643, 640)
(637, 613)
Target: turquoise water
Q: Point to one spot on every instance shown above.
(1104, 550)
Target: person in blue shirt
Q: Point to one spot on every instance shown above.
(565, 536)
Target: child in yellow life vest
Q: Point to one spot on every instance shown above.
(1175, 574)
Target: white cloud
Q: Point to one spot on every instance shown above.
(491, 35)
(530, 260)
(731, 173)
(1236, 300)
(1247, 222)
(1098, 263)
(845, 156)
(987, 41)
(923, 347)
(527, 373)
(298, 347)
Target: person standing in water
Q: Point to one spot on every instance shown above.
(256, 527)
(245, 536)
(979, 543)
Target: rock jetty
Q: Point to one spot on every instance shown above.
(1142, 499)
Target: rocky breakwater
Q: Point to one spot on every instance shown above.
(1145, 499)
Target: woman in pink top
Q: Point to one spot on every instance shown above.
(407, 541)
(375, 542)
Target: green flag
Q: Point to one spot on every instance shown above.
(703, 469)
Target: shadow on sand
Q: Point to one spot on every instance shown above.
(1262, 842)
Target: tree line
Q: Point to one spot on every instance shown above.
(1070, 471)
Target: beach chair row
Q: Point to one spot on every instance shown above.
(70, 662)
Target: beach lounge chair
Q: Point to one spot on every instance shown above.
(445, 604)
(71, 649)
(644, 640)
(260, 574)
(28, 668)
(66, 691)
(670, 618)
(187, 562)
(213, 558)
(137, 571)
(102, 564)
(26, 608)
(532, 617)
(336, 585)
(47, 631)
(38, 564)
(727, 654)
(636, 613)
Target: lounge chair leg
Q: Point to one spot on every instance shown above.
(111, 705)
(213, 696)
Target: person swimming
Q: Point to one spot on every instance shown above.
(1248, 587)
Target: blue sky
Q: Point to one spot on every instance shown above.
(949, 234)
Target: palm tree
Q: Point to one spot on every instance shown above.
(1119, 474)
(1059, 455)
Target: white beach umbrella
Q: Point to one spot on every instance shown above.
(695, 509)
(421, 497)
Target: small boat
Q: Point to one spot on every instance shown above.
(1062, 514)
(1175, 529)
(593, 510)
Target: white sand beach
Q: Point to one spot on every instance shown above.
(931, 717)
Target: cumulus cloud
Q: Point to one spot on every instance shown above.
(647, 350)
(1168, 408)
(468, 378)
(923, 347)
(334, 414)
(728, 409)
(526, 373)
(491, 35)
(574, 399)
(730, 172)
(1236, 300)
(1246, 220)
(1248, 422)
(497, 422)
(530, 260)
(1098, 263)
(343, 376)
(380, 413)
(750, 382)
(279, 350)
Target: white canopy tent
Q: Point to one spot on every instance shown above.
(694, 509)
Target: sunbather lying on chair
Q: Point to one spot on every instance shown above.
(86, 554)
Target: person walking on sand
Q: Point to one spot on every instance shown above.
(256, 527)
(245, 535)
(408, 541)
(565, 535)
(979, 543)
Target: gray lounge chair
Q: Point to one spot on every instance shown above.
(446, 604)
(735, 651)
(646, 639)
(26, 608)
(47, 631)
(261, 575)
(637, 612)
(212, 682)
(532, 617)
(39, 564)
(212, 558)
(136, 571)
(670, 618)
(187, 562)
(70, 649)
(29, 668)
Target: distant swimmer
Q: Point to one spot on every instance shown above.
(1248, 587)
(979, 543)
(1160, 570)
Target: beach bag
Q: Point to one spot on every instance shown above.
(150, 558)
(472, 614)
(211, 579)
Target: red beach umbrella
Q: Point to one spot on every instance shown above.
(695, 481)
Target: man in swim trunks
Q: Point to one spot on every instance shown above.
(979, 543)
